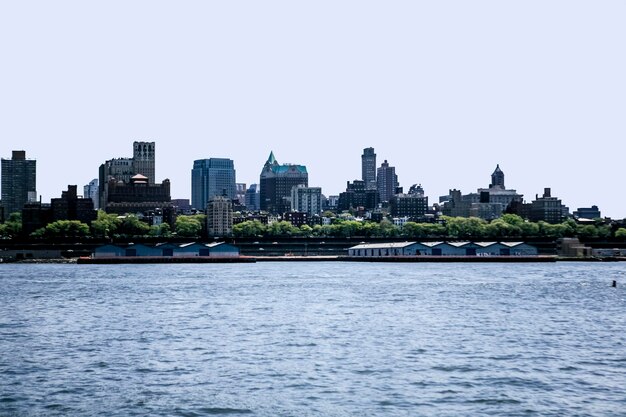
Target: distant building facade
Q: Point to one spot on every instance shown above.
(19, 182)
(70, 206)
(91, 191)
(368, 168)
(123, 169)
(413, 205)
(592, 212)
(253, 198)
(219, 216)
(548, 209)
(387, 181)
(138, 196)
(212, 177)
(356, 195)
(487, 203)
(276, 182)
(306, 200)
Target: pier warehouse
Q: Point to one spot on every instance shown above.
(443, 249)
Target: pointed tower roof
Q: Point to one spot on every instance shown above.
(271, 160)
(497, 169)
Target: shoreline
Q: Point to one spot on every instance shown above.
(332, 258)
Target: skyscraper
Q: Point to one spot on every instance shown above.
(253, 201)
(144, 160)
(368, 168)
(276, 182)
(387, 181)
(19, 177)
(212, 177)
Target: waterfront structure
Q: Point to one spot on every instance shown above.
(442, 249)
(276, 182)
(356, 195)
(592, 212)
(123, 169)
(253, 198)
(219, 216)
(414, 204)
(215, 249)
(368, 168)
(306, 200)
(387, 182)
(212, 177)
(91, 191)
(19, 182)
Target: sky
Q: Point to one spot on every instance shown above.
(443, 90)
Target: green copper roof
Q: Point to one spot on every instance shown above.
(271, 160)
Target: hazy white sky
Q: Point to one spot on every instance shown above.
(444, 90)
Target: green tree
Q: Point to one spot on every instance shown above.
(13, 225)
(388, 229)
(132, 226)
(306, 230)
(620, 233)
(282, 228)
(189, 226)
(163, 230)
(105, 224)
(63, 228)
(249, 228)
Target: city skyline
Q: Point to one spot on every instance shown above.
(444, 92)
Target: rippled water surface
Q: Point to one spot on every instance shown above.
(313, 339)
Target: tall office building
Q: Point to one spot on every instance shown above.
(253, 200)
(91, 191)
(144, 160)
(212, 177)
(368, 168)
(387, 181)
(219, 216)
(276, 182)
(19, 177)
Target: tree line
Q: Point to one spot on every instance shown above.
(508, 226)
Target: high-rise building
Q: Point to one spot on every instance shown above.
(387, 181)
(19, 177)
(123, 169)
(144, 160)
(253, 198)
(91, 191)
(306, 200)
(219, 216)
(240, 193)
(211, 177)
(276, 182)
(368, 168)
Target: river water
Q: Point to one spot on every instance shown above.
(313, 339)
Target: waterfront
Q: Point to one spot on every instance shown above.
(309, 339)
